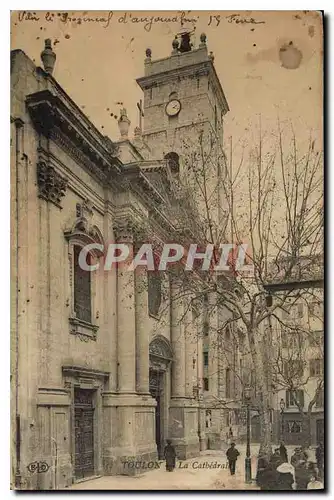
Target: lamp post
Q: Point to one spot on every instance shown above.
(282, 408)
(248, 463)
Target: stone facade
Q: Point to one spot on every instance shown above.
(88, 386)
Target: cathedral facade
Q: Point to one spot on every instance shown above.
(105, 366)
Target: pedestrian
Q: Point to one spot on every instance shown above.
(312, 469)
(270, 478)
(276, 459)
(170, 456)
(297, 455)
(302, 475)
(262, 464)
(266, 476)
(232, 455)
(315, 483)
(283, 452)
(304, 453)
(319, 455)
(285, 477)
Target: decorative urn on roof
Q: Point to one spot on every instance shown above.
(124, 123)
(48, 57)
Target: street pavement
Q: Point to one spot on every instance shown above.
(209, 471)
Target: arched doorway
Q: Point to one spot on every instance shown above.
(160, 359)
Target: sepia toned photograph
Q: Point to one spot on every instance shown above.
(167, 250)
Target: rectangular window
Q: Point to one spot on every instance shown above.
(319, 402)
(291, 338)
(82, 288)
(316, 367)
(293, 427)
(315, 338)
(206, 328)
(206, 358)
(292, 397)
(206, 383)
(228, 383)
(293, 368)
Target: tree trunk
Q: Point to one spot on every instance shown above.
(263, 399)
(307, 423)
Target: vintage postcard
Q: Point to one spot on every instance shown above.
(167, 219)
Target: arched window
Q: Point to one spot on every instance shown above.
(83, 289)
(173, 162)
(172, 95)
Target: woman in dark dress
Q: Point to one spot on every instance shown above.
(302, 475)
(285, 477)
(283, 452)
(170, 456)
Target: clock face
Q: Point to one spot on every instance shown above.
(173, 107)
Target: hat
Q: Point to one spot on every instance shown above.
(285, 468)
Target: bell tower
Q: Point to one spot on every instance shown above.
(182, 94)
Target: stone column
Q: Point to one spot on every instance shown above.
(126, 327)
(178, 340)
(142, 331)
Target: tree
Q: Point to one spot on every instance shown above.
(273, 202)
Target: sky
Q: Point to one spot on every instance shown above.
(269, 63)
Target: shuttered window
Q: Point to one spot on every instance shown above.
(316, 367)
(82, 288)
(293, 396)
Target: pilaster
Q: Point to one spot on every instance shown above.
(126, 326)
(142, 331)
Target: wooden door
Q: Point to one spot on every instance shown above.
(157, 393)
(84, 433)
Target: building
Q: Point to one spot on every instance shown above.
(102, 367)
(298, 362)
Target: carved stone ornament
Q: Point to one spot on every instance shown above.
(51, 185)
(160, 353)
(161, 348)
(128, 229)
(86, 233)
(83, 330)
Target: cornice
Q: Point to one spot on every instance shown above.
(191, 71)
(52, 109)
